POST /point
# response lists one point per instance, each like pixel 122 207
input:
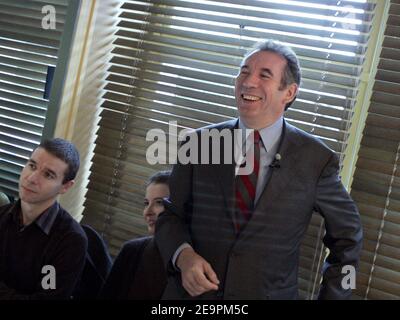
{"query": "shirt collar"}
pixel 45 221
pixel 269 135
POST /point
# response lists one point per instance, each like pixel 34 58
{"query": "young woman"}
pixel 138 271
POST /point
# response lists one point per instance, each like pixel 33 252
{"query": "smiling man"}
pixel 42 248
pixel 226 235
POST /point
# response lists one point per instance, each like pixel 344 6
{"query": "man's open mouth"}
pixel 248 97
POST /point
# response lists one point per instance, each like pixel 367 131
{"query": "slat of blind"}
pixel 387 87
pixel 205 115
pixel 367 258
pixel 118 229
pixel 17 141
pixel 19 123
pixel 24 108
pixel 271 24
pixel 197 106
pixel 28 22
pixel 156 42
pixel 201 115
pixel 390 53
pixel 23 73
pixel 9 187
pixel 22 81
pixel 210 76
pixel 17 159
pixel 26 56
pixel 20 90
pixel 12 178
pixel 227 88
pixel 192 123
pixel 252 17
pixel 35 35
pixel 10 10
pixel 25 117
pixel 377 213
pixel 23 152
pixel 32 101
pixel 389 64
pixel 28 47
pixel 187 61
pixel 36 6
pixel 23 64
pixel 383 97
pixel 231 36
pixel 325 110
pixel 223 100
pixel 388 76
pixel 19 133
pixel 114 120
pixel 306 8
pixel 191 84
pixel 11 168
pixel 379 143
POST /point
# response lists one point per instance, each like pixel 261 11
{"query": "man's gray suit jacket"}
pixel 262 261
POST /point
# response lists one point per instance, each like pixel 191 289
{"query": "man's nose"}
pixel 250 81
pixel 33 177
pixel 148 211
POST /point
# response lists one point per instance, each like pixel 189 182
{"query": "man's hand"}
pixel 197 275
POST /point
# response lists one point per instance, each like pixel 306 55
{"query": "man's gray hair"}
pixel 292 72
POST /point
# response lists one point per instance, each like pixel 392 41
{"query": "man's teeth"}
pixel 251 98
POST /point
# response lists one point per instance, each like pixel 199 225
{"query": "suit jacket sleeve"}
pixel 172 224
pixel 343 235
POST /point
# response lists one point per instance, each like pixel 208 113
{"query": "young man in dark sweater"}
pixel 42 248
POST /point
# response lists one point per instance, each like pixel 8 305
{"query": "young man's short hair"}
pixel 65 151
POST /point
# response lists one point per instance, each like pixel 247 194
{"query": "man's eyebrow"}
pixel 51 172
pixel 31 161
pixel 267 70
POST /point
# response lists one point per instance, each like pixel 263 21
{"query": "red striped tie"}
pixel 246 188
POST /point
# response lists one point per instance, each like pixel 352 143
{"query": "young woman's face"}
pixel 153 205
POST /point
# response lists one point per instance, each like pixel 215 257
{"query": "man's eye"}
pixel 146 203
pixel 48 175
pixel 265 75
pixel 160 202
pixel 31 165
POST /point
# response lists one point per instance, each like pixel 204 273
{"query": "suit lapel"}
pixel 225 174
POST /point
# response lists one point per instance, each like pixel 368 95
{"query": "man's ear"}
pixel 66 186
pixel 291 92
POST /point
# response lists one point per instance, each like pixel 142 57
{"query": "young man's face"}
pixel 259 96
pixel 41 180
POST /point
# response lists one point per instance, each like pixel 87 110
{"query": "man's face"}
pixel 259 96
pixel 41 180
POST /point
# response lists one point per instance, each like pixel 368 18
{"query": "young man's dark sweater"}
pixel 54 239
